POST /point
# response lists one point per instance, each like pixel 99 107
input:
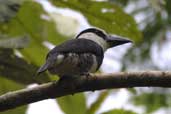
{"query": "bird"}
pixel 82 55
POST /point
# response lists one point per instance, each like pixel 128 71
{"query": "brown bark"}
pixel 96 82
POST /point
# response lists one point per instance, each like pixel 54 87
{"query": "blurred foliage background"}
pixel 28 29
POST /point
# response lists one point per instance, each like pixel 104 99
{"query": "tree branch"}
pixel 96 82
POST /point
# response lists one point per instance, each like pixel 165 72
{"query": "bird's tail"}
pixel 43 68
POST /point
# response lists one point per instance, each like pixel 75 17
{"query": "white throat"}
pixel 95 38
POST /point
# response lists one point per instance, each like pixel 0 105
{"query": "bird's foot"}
pixel 68 82
pixel 87 74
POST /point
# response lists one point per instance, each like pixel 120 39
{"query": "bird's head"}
pixel 102 38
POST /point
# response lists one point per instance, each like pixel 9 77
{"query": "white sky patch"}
pixel 129 8
pixel 91 97
pixel 161 55
pixel 168 35
pixel 48 106
pixel 115 100
pixel 112 58
pixel 139 17
pixel 133 5
pixel 110 66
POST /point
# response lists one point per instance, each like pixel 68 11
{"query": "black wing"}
pixel 78 46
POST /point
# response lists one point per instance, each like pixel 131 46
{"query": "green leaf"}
pixel 119 111
pixel 74 104
pixel 105 15
pixel 19 42
pixel 17 69
pixel 18 110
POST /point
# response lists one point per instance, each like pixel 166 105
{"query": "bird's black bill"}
pixel 117 40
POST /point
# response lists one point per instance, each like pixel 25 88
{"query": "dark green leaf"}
pixel 19 42
pixel 120 2
pixel 18 110
pixel 7 85
pixel 15 68
pixel 168 9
